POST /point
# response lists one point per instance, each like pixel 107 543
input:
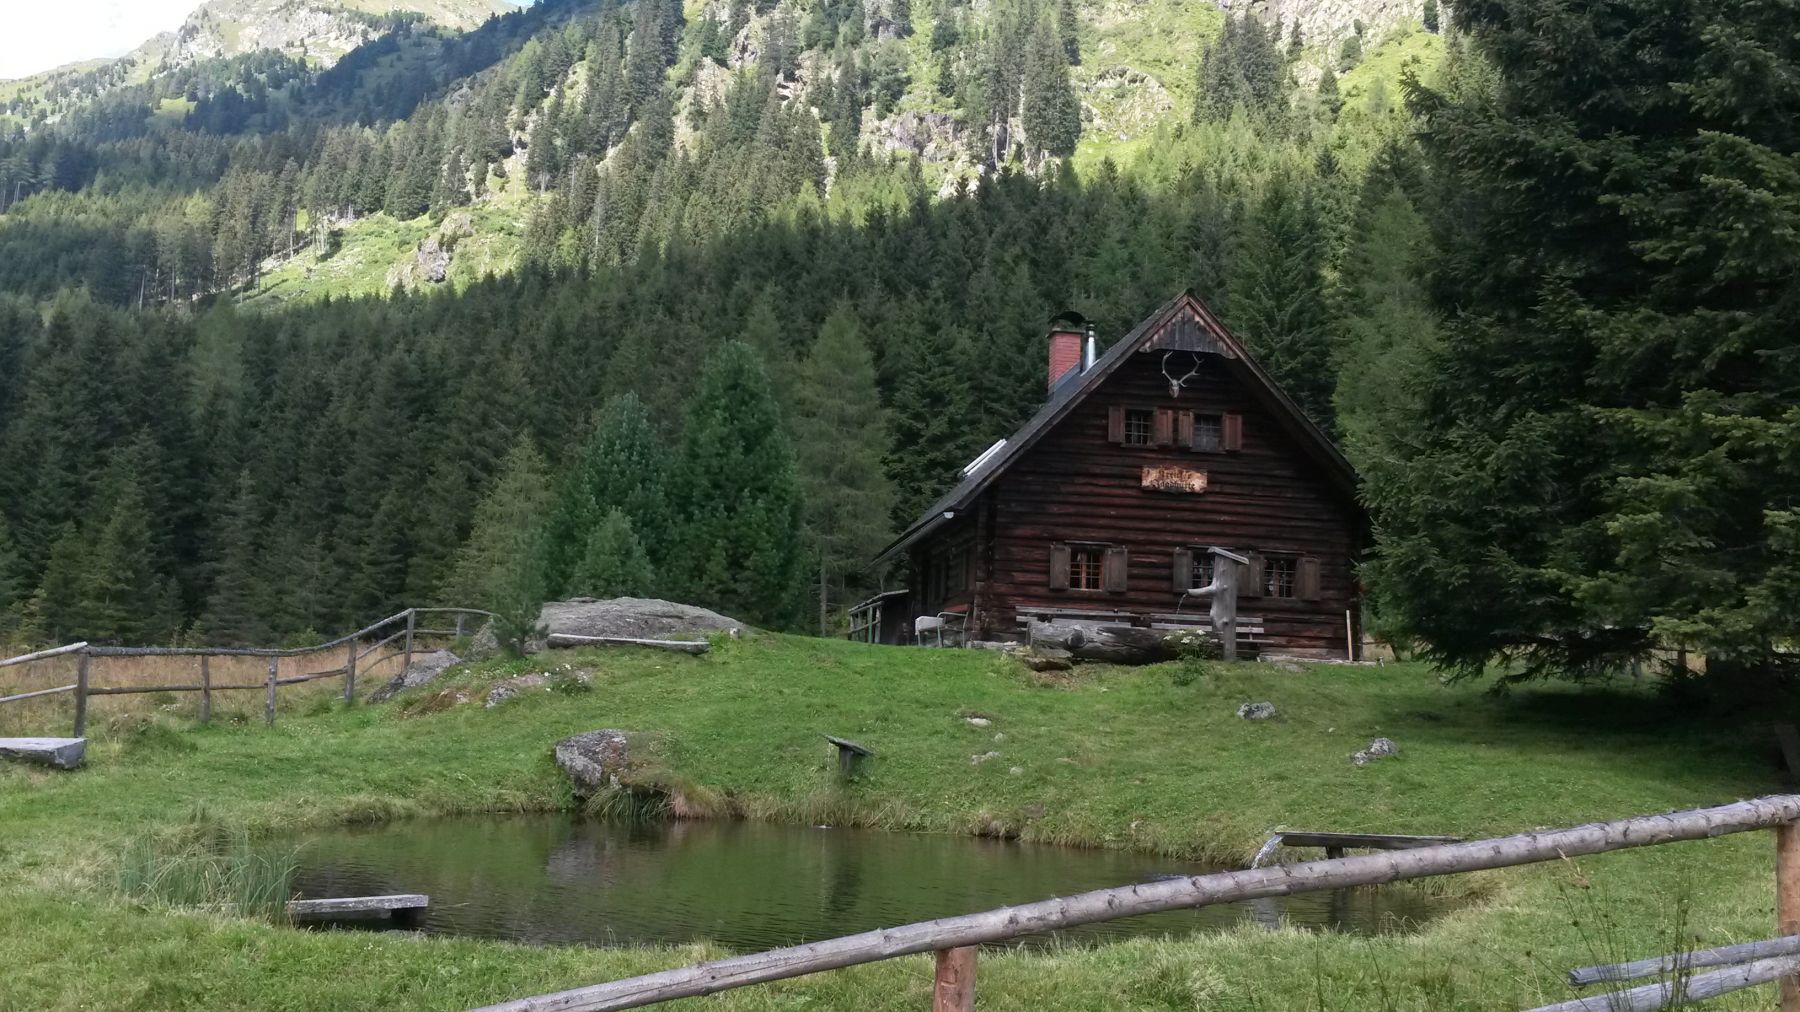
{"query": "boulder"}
pixel 422 670
pixel 1377 748
pixel 1256 711
pixel 59 753
pixel 633 617
pixel 1048 659
pixel 598 760
pixel 503 691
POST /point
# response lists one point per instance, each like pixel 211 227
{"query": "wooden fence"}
pixel 405 627
pixel 954 939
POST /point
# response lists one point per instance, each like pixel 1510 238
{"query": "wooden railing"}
pixel 954 939
pixel 405 627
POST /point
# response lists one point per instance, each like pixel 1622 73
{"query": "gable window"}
pixel 1209 432
pixel 1139 426
pixel 1280 574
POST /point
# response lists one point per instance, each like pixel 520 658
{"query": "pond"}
pixel 751 885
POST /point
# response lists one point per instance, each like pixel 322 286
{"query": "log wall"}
pixel 1270 497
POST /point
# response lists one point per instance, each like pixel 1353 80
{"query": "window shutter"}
pixel 1059 566
pixel 1165 427
pixel 1115 424
pixel 1184 430
pixel 1307 576
pixel 1253 576
pixel 1231 432
pixel 1183 574
pixel 1112 572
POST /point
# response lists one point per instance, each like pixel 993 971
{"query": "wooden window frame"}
pixel 1208 435
pixel 1274 568
pixel 1140 427
pixel 1087 566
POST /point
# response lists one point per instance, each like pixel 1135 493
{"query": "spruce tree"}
pixel 841 436
pixel 231 616
pixel 620 467
pixel 1430 16
pixel 1277 295
pixel 738 547
pixel 1329 100
pixel 613 562
pixel 12 583
pixel 501 566
pixel 58 610
pixel 1605 464
pixel 125 599
pixel 1068 29
pixel 1051 113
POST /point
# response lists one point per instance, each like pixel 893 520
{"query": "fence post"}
pixel 269 703
pixel 81 687
pixel 350 674
pixel 1787 901
pixel 954 988
pixel 459 625
pixel 412 622
pixel 205 688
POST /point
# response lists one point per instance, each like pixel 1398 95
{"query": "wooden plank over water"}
pixel 62 753
pixel 340 906
pixel 1371 841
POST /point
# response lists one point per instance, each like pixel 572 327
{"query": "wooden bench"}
pixel 61 753
pixel 849 753
pixel 396 905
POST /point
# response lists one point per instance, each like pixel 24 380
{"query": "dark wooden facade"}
pixel 1096 508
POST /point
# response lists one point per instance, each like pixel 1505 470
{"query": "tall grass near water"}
pixel 224 871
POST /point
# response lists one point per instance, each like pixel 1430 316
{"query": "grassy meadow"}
pixel 1141 758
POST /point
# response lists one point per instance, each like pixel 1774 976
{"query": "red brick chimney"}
pixel 1065 349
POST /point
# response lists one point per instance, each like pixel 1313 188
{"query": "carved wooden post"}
pixel 412 622
pixel 81 694
pixel 350 673
pixel 269 703
pixel 1227 570
pixel 205 688
pixel 1787 901
pixel 954 988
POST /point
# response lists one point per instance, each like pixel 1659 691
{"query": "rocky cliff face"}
pixel 1327 22
pixel 322 30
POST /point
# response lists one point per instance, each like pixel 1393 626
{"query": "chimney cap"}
pixel 1069 321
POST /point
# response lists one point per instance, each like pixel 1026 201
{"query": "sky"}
pixel 41 34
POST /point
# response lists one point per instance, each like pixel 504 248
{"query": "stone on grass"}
pixel 1256 711
pixel 503 691
pixel 977 760
pixel 1048 659
pixel 598 760
pixel 978 721
pixel 57 753
pixel 1377 748
pixel 633 618
pixel 422 670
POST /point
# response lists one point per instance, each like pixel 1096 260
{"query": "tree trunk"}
pixel 1112 644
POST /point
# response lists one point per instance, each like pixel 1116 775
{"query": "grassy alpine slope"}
pixel 1114 757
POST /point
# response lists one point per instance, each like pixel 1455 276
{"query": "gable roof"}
pixel 1183 323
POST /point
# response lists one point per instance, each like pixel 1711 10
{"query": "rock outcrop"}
pixel 602 760
pixel 633 617
pixel 423 670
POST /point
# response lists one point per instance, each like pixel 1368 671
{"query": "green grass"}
pixel 1115 757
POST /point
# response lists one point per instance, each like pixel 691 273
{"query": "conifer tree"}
pixel 1277 292
pixel 1430 16
pixel 501 566
pixel 58 610
pixel 125 598
pixel 613 562
pixel 231 616
pixel 1051 113
pixel 620 467
pixel 840 432
pixel 1068 29
pixel 1329 100
pixel 1240 69
pixel 738 548
pixel 845 114
pixel 12 583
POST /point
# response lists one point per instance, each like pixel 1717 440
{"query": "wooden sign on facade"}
pixel 1168 478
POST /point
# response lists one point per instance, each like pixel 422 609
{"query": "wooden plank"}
pixel 1371 841
pixel 1724 955
pixel 1670 994
pixel 953 990
pixel 679 646
pixel 62 753
pixel 132 690
pixel 1168 894
pixel 1787 902
pixel 848 745
pixel 358 905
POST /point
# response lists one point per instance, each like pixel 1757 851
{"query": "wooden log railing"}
pixel 408 631
pixel 955 938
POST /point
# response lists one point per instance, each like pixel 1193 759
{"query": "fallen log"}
pixel 1697 988
pixel 679 646
pixel 397 903
pixel 1170 894
pixel 1724 955
pixel 1110 644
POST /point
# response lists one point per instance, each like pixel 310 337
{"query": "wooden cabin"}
pixel 1104 506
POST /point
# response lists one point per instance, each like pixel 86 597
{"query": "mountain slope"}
pixel 319 30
